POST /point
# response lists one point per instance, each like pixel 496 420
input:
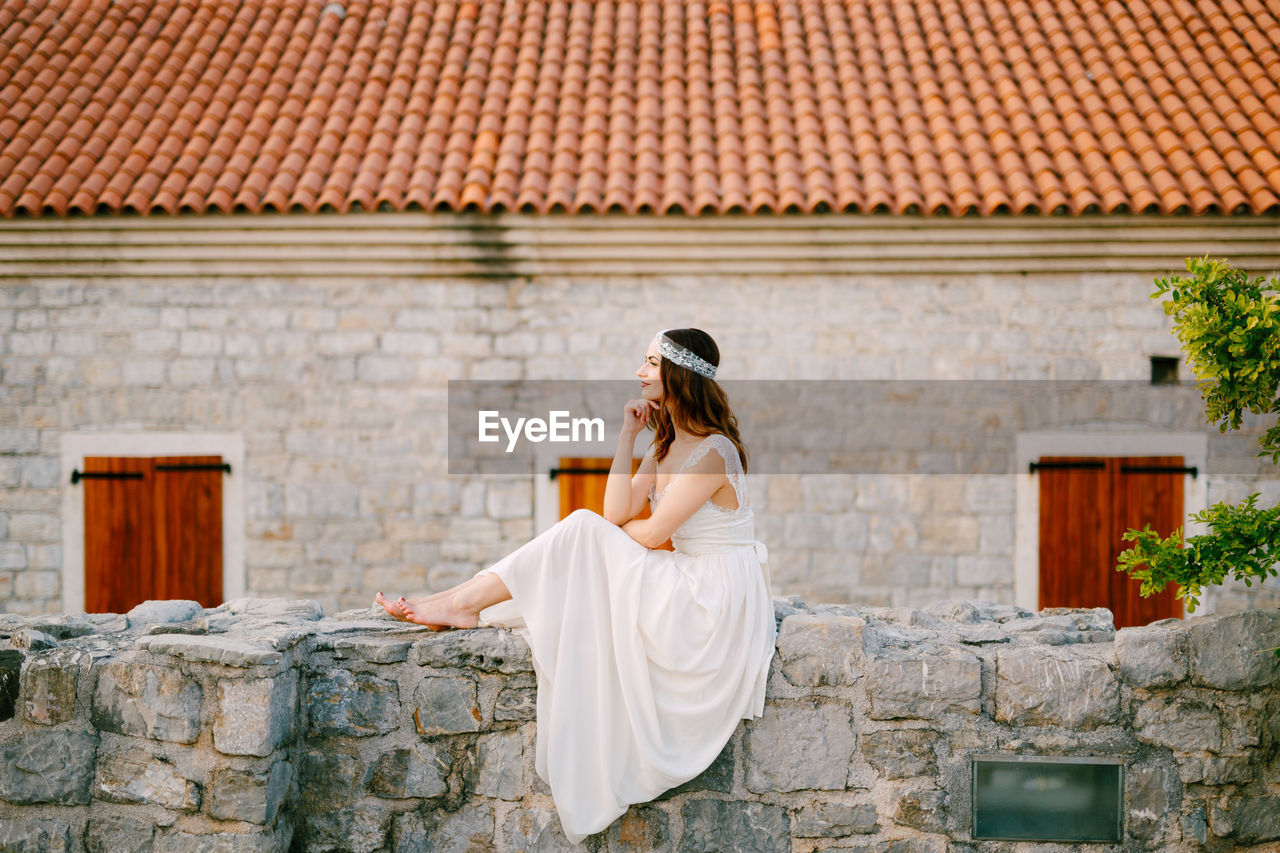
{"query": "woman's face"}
pixel 651 375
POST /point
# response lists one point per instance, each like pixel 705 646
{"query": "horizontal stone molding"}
pixel 264 725
pixel 437 245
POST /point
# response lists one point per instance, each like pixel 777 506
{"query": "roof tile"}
pixel 654 106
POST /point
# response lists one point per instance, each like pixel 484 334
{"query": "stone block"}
pixel 901 753
pixel 1255 820
pixel 272 841
pixel 255 715
pixel 820 649
pixel 1229 652
pixel 921 807
pixel 252 796
pixel 1053 687
pixel 47 766
pixel 1152 793
pixel 516 702
pixel 48 694
pixel 485 649
pixel 800 747
pixel 145 700
pixel 834 820
pixel 641 830
pixel 305 609
pixel 116 833
pixel 163 612
pixel 226 651
pixel 905 685
pixel 534 831
pixel 499 767
pixel 36 835
pixel 372 651
pixel 1182 726
pixel 347 704
pixel 418 771
pixel 444 705
pixel 468 830
pixel 327 780
pixel 711 826
pixel 133 776
pixel 1152 656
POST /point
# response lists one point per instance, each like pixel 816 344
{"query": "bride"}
pixel 645 659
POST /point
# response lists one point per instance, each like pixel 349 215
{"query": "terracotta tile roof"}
pixel 929 106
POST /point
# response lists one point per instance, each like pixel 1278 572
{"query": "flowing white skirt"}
pixel 645 661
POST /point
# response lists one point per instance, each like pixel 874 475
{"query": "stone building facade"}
pixel 314 353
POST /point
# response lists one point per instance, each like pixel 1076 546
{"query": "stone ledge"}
pixel 263 724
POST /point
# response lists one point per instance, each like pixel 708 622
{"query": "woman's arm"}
pixel 625 495
pixel 690 490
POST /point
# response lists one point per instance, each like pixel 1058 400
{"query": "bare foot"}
pixel 441 611
pixel 395 608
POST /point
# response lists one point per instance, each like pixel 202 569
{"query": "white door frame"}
pixel 1193 447
pixel 77 445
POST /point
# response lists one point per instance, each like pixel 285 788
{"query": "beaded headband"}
pixel 677 354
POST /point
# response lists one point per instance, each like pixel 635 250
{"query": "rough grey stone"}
pixel 307 609
pixel 255 715
pixel 834 820
pixel 717 777
pixel 373 651
pixel 163 612
pixel 10 682
pixel 48 694
pixel 978 635
pixel 444 705
pixel 249 795
pixel 136 777
pixel 718 825
pixel 227 651
pixel 35 835
pixel 922 807
pixel 900 753
pixel 272 841
pixel 1151 656
pixel 641 830
pixel 821 649
pixel 516 702
pixel 1152 793
pixel 1054 687
pixel 794 748
pixel 485 649
pixel 418 771
pixel 48 766
pixel 500 765
pixel 69 626
pixel 327 779
pixel 1229 652
pixel 534 831
pixel 1179 725
pixel 147 701
pixel 468 830
pixel 116 833
pixel 32 640
pixel 904 685
pixel 352 704
pixel 1253 819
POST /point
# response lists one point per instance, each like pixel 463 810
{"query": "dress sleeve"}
pixel 732 463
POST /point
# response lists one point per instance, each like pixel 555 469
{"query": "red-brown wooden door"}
pixel 152 531
pixel 1084 511
pixel 586 490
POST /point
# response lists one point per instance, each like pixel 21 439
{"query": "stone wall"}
pixel 338 391
pixel 262 725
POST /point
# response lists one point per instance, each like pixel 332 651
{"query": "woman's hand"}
pixel 635 414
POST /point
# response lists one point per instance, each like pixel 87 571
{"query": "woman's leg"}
pixel 460 606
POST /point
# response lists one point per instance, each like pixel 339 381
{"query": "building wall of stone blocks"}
pixel 262 724
pixel 338 388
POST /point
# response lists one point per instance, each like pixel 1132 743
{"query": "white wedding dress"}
pixel 645 660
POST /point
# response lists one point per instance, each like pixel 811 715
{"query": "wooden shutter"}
pixel 1084 511
pixel 156 535
pixel 586 491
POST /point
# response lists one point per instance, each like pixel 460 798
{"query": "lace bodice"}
pixel 732 469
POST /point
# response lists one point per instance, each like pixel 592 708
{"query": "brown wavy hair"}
pixel 691 401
